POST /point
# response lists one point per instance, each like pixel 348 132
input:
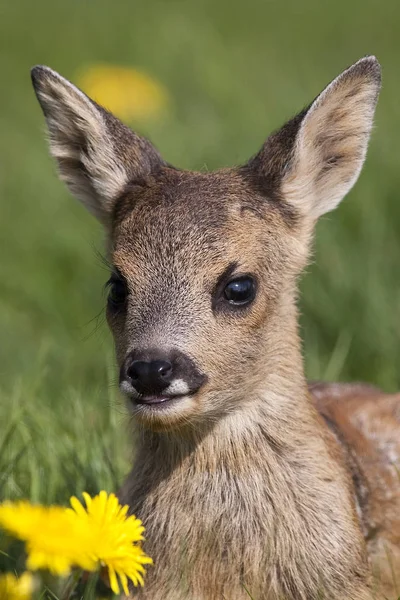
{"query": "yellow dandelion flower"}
pixel 101 534
pixel 54 539
pixel 129 93
pixel 115 538
pixel 16 588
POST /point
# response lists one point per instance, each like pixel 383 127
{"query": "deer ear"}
pixel 96 154
pixel 316 158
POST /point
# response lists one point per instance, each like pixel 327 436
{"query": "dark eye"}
pixel 240 291
pixel 118 292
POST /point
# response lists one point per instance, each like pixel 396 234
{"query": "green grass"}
pixel 235 71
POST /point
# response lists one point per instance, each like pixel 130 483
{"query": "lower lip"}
pixel 157 401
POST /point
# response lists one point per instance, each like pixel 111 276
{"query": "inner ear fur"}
pixel 96 154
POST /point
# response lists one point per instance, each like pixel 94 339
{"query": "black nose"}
pixel 150 372
pixel 150 376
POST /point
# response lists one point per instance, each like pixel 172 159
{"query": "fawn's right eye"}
pixel 118 292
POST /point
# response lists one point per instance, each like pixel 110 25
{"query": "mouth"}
pixel 161 406
pixel 157 402
pixel 160 411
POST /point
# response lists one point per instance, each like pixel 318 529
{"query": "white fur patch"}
pixel 128 389
pixel 178 387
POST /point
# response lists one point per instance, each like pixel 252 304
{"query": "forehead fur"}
pixel 176 207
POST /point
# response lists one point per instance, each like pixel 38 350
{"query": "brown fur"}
pixel 253 482
pixel 367 424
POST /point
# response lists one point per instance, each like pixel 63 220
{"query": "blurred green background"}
pixel 234 71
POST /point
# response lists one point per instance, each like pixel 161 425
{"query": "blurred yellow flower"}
pixel 54 540
pixel 130 94
pixel 16 588
pixel 114 537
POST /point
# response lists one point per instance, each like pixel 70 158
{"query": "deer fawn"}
pixel 249 481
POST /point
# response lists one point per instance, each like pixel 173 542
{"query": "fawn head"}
pixel 205 264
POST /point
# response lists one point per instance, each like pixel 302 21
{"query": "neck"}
pixel 262 472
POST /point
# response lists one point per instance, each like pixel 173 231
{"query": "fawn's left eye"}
pixel 240 291
pixel 118 292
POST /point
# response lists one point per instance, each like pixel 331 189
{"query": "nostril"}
pixel 134 371
pixel 133 375
pixel 163 369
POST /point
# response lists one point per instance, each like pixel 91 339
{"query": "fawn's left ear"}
pixel 96 154
pixel 316 158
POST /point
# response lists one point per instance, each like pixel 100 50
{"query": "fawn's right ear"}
pixel 96 154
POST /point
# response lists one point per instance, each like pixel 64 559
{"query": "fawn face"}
pixel 200 262
pixel 204 262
